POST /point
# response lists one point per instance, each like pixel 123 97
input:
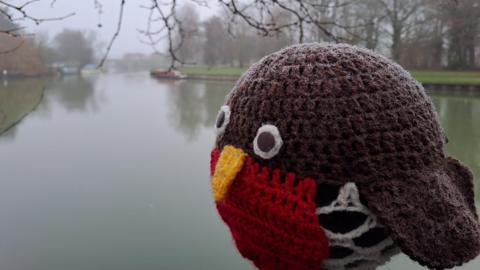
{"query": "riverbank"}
pixel 455 80
pixel 17 100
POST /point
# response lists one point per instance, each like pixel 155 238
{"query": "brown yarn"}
pixel 346 114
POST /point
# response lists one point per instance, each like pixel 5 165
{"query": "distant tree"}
pixel 370 14
pixel 238 40
pixel 399 15
pixel 433 36
pixel 418 33
pixel 74 47
pixel 269 44
pixel 47 53
pixel 240 49
pixel 423 39
pixel 463 19
pixel 215 40
pixel 191 43
pixel 260 17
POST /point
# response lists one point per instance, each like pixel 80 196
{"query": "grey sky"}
pixel 86 18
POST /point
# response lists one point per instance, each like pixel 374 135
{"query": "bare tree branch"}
pixel 99 7
pixel 170 27
pixel 24 15
pixel 304 13
pixel 20 13
pixel 163 25
pixel 115 35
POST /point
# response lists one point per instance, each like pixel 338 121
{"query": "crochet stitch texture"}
pixel 357 240
pixel 348 115
pixel 273 220
pixel 356 114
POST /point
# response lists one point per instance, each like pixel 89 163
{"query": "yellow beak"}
pixel 228 166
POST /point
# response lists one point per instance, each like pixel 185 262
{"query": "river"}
pixel 111 173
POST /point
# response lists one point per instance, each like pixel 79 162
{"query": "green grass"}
pixel 424 76
pixel 447 77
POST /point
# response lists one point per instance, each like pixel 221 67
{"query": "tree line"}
pixel 24 54
pixel 419 34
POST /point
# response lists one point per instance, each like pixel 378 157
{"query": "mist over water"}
pixel 112 173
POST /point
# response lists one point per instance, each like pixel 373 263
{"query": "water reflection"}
pixel 460 118
pixel 194 105
pixel 74 93
pixel 17 99
pixel 127 187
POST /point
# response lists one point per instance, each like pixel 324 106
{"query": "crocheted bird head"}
pixel 329 156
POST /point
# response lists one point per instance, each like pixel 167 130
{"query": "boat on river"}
pixel 167 74
pixel 91 70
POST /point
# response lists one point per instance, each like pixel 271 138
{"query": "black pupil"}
pixel 265 141
pixel 342 221
pixel 220 119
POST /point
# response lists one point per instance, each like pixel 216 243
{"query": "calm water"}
pixel 111 173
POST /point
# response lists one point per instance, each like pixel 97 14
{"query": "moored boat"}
pixel 91 69
pixel 167 74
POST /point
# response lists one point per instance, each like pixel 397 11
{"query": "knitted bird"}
pixel 329 156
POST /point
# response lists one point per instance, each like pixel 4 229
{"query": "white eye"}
pixel 268 141
pixel 223 118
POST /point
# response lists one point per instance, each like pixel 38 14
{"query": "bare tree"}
pixel 371 14
pixel 15 12
pixel 399 14
pixel 44 48
pixel 463 34
pixel 215 40
pixel 163 22
pixel 358 22
pixel 74 47
pixel 191 44
pixel 423 42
